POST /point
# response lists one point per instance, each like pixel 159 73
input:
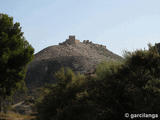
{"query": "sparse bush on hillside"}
pixel 106 68
pixel 129 87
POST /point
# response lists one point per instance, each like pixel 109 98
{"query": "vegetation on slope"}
pixel 116 89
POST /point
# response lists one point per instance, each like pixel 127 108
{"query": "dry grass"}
pixel 15 116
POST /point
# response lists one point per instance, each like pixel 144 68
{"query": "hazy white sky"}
pixel 118 24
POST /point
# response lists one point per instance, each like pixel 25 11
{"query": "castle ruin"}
pixel 93 44
pixel 71 40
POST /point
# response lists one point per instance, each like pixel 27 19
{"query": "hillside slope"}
pixel 79 56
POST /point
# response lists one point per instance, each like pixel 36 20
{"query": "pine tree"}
pixel 15 53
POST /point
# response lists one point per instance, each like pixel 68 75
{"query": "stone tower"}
pixel 71 40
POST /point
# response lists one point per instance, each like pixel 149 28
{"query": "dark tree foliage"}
pixel 118 88
pixel 67 100
pixel 132 87
pixel 15 53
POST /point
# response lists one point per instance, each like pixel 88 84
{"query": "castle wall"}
pixel 77 41
pixel 96 45
pixel 72 40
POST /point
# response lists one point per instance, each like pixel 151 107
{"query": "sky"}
pixel 119 24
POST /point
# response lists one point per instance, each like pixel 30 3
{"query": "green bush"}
pixel 118 88
pixel 67 99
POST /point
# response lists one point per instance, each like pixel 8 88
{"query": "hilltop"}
pixel 79 56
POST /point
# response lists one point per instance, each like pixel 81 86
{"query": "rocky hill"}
pixel 79 56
